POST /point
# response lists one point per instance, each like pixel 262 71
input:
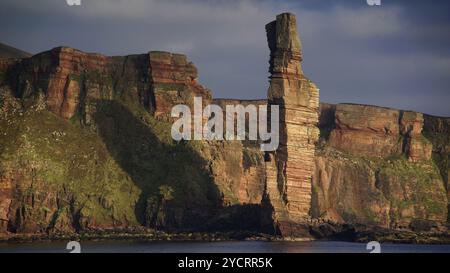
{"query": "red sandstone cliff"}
pixel 374 166
pixel 107 97
pixel 379 132
pixel 71 80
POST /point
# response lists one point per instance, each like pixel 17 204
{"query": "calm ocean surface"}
pixel 220 247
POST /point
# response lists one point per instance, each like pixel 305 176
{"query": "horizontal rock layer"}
pixel 72 80
pixel 289 169
pixel 379 132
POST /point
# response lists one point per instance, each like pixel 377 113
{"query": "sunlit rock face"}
pixel 379 132
pixel 72 80
pixel 289 168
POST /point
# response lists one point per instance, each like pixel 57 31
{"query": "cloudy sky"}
pixel 396 55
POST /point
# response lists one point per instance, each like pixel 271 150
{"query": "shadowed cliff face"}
pixel 176 188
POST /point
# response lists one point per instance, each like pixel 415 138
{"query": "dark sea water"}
pixel 219 247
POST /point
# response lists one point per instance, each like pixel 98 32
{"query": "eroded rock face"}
pixel 109 95
pixel 174 81
pixel 437 131
pixel 346 192
pixel 392 194
pixel 289 169
pixel 416 146
pixel 237 170
pixel 238 166
pixel 373 131
pixel 6 198
pixel 379 132
pixel 375 167
pixel 73 81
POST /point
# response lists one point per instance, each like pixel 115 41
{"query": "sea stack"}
pixel 290 168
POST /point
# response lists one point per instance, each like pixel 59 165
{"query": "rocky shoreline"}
pixel 364 234
pixel 143 235
pixel 323 232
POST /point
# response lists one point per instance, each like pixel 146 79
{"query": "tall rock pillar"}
pixel 289 169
